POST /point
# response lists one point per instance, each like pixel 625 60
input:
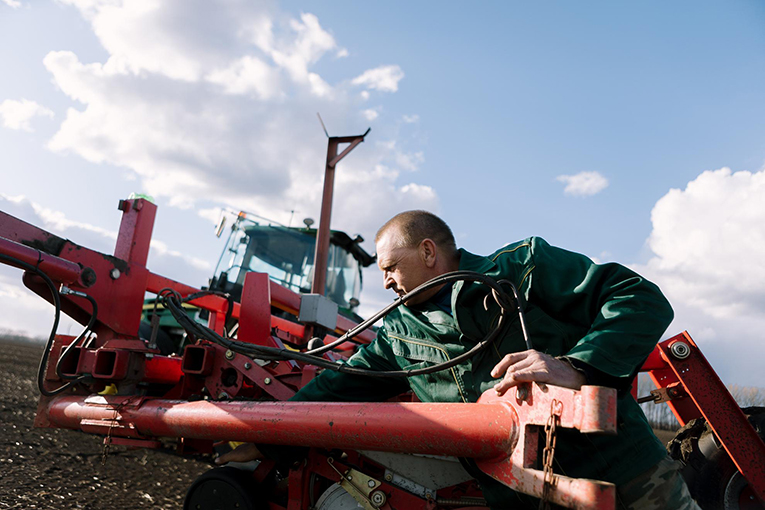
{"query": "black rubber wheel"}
pixel 712 478
pixel 223 488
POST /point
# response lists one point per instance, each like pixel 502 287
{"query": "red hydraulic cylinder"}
pixel 58 269
pixel 477 430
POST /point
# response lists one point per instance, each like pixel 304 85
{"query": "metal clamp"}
pixel 362 487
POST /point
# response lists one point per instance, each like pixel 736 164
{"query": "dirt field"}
pixel 53 468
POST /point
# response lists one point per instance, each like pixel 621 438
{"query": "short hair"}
pixel 414 226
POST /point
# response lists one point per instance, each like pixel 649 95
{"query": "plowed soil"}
pixel 55 468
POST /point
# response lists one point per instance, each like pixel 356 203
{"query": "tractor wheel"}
pixel 712 478
pixel 223 488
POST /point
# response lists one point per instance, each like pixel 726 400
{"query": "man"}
pixel 588 323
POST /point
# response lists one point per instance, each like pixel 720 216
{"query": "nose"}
pixel 388 280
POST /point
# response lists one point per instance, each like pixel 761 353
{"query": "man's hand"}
pixel 242 453
pixel 526 366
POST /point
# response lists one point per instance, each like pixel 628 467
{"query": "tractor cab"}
pixel 287 255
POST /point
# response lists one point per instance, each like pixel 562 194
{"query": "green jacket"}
pixel 605 316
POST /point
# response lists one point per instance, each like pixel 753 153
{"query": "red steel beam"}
pixel 718 407
pixel 500 432
pixel 134 237
pixel 467 430
pixel 320 259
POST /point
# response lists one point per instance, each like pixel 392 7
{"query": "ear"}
pixel 428 252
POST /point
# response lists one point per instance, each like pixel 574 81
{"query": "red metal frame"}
pixel 497 431
pixel 694 390
pixel 501 432
pixel 322 237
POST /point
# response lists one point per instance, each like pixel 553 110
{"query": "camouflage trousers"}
pixel 659 488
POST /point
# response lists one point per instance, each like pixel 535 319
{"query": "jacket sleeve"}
pixel 623 314
pixel 331 386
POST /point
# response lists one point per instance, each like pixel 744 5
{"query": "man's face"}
pixel 403 268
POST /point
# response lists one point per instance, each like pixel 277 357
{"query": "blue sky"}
pixel 650 115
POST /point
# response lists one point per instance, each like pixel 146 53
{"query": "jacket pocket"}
pixel 415 350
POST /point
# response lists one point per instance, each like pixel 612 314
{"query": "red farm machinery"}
pixel 115 382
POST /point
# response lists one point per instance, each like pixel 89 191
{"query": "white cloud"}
pixel 247 75
pixel 224 113
pixel 383 78
pixel 19 114
pixel 162 259
pixel 212 214
pixel 583 184
pixel 371 114
pixel 410 161
pixel 12 3
pixel 411 119
pixel 708 242
pixel 341 53
pixel 710 239
pixel 298 53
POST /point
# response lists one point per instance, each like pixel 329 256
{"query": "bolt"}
pixel 88 277
pixel 371 484
pixel 230 354
pixel 223 395
pixel 378 498
pixel 522 393
pixel 388 477
pixel 350 478
pixel 247 366
pixel 267 380
pixel 680 350
pixel 114 273
pixel 428 495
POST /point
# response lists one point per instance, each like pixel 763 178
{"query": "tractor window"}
pixel 287 256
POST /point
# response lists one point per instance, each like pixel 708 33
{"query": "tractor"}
pixel 286 254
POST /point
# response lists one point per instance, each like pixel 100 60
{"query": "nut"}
pixel 377 498
pixel 267 380
pixel 114 273
pixel 680 350
pixel 230 354
pixel 388 477
pixel 371 484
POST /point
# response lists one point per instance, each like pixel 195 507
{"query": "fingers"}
pixel 243 453
pixel 509 360
pixel 527 366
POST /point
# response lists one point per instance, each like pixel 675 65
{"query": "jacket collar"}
pixel 477 263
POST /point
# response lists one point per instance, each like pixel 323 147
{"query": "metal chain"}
pixel 108 438
pixel 548 454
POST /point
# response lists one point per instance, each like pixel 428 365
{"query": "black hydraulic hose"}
pixel 57 316
pixel 172 301
pixel 69 348
pixel 439 280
